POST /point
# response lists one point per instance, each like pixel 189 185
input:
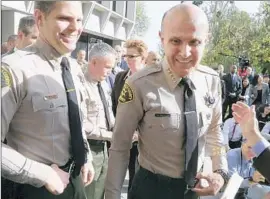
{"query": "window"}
pixel 114 6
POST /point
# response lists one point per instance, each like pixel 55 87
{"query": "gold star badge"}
pixel 126 95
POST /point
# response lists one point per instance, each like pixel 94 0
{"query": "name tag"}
pixel 162 115
pixel 50 97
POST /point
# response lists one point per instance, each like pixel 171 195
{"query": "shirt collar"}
pixel 53 56
pixel 128 74
pixel 172 78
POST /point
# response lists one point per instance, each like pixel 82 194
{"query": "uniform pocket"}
pixel 166 120
pixel 43 103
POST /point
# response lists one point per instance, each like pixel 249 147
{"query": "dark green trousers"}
pixel 74 190
pixel 147 185
pixel 96 189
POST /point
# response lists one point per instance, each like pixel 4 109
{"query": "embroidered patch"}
pixel 6 79
pixel 126 95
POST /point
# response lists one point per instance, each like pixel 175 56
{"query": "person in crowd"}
pixel 120 65
pixel 47 154
pixel 120 61
pixel 246 117
pixel 240 161
pixel 266 79
pixel 250 75
pixel 233 84
pixel 4 48
pixel 266 131
pixel 27 33
pixel 136 47
pixel 11 42
pixel 160 102
pixel 100 118
pixel 260 93
pixel 245 95
pixel 152 58
pixel 81 60
pixel 263 115
pixel 232 133
pixel 221 70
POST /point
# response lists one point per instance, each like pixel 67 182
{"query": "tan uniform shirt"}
pixel 35 113
pixel 95 125
pixel 152 101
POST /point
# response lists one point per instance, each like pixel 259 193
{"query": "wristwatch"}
pixel 224 175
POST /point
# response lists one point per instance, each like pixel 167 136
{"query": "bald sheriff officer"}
pixel 176 106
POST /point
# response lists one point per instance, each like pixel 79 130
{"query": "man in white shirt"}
pixel 232 133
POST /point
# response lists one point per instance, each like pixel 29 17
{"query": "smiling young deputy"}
pixel 176 107
pixel 46 150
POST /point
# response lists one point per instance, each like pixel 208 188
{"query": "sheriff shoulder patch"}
pixel 6 79
pixel 126 95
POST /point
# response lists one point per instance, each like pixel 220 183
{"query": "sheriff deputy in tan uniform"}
pixel 175 135
pixel 41 98
pixel 100 118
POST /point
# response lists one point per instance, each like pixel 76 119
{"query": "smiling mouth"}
pixel 183 61
pixel 69 37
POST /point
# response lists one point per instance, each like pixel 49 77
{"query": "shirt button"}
pixel 51 105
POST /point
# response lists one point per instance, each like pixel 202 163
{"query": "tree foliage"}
pixel 142 20
pixel 236 33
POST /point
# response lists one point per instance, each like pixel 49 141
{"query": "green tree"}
pixel 235 33
pixel 142 20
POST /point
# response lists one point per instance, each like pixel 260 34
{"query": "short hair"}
pixel 101 50
pixel 139 45
pixel 45 6
pixel 4 48
pixel 26 25
pixel 12 38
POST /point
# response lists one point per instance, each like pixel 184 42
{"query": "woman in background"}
pixel 135 56
pixel 260 93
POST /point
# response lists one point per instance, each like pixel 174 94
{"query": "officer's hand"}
pixel 267 196
pixel 215 182
pixel 57 180
pixel 88 173
pixel 257 177
pixel 246 117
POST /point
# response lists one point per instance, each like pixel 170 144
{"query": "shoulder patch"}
pixel 6 79
pixel 127 94
pixel 207 70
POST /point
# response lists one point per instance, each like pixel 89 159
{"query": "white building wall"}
pixel 99 18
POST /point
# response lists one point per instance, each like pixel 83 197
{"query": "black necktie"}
pixel 77 144
pixel 191 132
pixel 105 105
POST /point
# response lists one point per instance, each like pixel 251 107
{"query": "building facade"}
pixel 108 21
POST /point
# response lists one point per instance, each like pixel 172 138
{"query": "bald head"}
pixel 183 36
pixel 187 13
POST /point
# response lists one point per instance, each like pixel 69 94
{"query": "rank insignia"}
pixel 6 79
pixel 126 95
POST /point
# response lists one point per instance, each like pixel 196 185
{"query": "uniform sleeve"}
pixel 214 138
pixel 15 166
pixel 129 113
pixel 226 132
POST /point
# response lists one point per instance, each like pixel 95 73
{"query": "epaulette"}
pixel 146 71
pixel 18 55
pixel 207 70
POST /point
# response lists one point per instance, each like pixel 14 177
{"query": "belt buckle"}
pixel 71 167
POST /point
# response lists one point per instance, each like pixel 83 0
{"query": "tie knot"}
pixel 185 81
pixel 64 63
